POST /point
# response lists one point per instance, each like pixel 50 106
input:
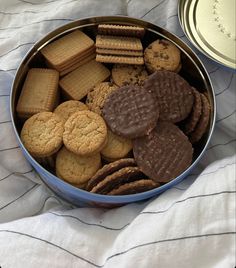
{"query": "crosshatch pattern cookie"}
pixel 173 95
pixel 122 30
pixel 42 134
pixel 78 83
pixel 39 92
pixel 163 154
pixel 66 48
pixel 97 96
pixel 130 111
pixel 117 147
pixel 85 133
pixel 162 55
pixel 126 174
pixel 194 117
pixel 203 122
pixel 134 187
pixel 123 74
pixel 118 42
pixel 67 108
pixel 76 169
pixel 108 169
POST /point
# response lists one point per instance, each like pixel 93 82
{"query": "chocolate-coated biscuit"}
pixel 163 154
pixel 134 187
pixel 173 95
pixel 126 174
pixel 195 114
pixel 203 122
pixel 108 170
pixel 130 111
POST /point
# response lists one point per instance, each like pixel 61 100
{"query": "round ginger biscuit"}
pixel 130 111
pixel 42 134
pixel 162 55
pixel 67 108
pixel 173 94
pixel 85 133
pixel 163 154
pixel 124 74
pixel 97 96
pixel 117 147
pixel 76 169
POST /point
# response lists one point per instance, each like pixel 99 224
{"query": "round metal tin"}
pixel 193 70
pixel 210 26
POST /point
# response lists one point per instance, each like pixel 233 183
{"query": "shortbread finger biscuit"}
pixel 203 122
pixel 39 92
pixel 134 187
pixel 118 42
pixel 85 133
pixel 78 83
pixel 119 52
pixel 122 30
pixel 42 134
pixel 162 55
pixel 97 96
pixel 76 169
pixel 108 169
pixel 67 47
pixel 117 147
pixel 119 59
pixel 128 74
pixel 67 108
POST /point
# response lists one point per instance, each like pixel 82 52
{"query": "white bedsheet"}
pixel 190 225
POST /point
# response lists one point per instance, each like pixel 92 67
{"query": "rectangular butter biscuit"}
pixel 39 92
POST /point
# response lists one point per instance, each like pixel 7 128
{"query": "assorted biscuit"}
pixel 107 117
pixel 119 44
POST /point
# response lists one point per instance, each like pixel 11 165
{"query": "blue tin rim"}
pixel 93 197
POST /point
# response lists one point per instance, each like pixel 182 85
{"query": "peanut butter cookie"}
pixel 85 133
pixel 117 147
pixel 42 134
pixel 67 108
pixel 76 169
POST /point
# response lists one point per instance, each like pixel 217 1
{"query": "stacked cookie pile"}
pixel 126 128
pixel 69 52
pixel 119 44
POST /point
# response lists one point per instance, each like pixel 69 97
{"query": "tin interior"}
pixel 192 69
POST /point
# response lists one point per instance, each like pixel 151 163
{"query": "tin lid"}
pixel 210 26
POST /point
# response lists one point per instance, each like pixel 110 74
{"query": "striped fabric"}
pixel 190 225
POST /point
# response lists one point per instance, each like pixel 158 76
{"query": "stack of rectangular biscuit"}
pixel 69 52
pixel 119 44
